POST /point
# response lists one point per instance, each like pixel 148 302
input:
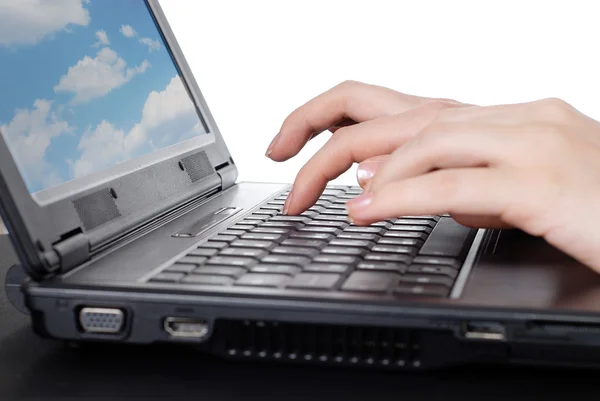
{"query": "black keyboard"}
pixel 321 250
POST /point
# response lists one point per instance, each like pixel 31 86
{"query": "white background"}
pixel 257 60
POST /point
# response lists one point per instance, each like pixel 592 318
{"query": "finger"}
pixel 367 169
pixel 343 123
pixel 355 144
pixel 350 100
pixel 449 145
pixel 466 191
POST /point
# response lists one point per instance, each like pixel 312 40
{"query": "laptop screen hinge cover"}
pixel 228 175
pixel 72 251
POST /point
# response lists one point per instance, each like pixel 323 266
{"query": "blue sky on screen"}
pixel 84 85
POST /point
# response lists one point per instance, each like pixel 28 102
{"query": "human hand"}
pixel 534 166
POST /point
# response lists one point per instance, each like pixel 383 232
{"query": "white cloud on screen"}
pixel 102 39
pixel 153 45
pixel 26 22
pixel 168 117
pixel 128 31
pixel 29 135
pixel 95 77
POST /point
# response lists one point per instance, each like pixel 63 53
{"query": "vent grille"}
pixel 96 208
pixel 325 344
pixel 197 166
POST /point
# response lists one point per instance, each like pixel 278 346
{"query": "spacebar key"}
pixel 448 238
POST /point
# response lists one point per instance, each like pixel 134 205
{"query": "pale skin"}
pixel 533 166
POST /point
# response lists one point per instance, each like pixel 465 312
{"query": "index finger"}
pixel 354 101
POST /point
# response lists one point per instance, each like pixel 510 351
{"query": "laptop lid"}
pixel 103 128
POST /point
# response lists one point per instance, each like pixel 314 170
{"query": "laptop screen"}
pixel 86 85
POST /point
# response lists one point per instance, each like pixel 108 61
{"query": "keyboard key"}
pixel 310 214
pixel 335 212
pixel 278 208
pixel 168 277
pixel 193 260
pixel 383 224
pixel 424 217
pixel 248 252
pixel 332 217
pixel 242 243
pixel 270 230
pixel 216 270
pixel 389 257
pixel 181 268
pixel 422 289
pixel 262 280
pixel 328 268
pixel 276 202
pixel 344 250
pixel 311 235
pixel 263 237
pixel 359 236
pixel 282 224
pixel 262 212
pixel 416 222
pixel 411 228
pixel 242 227
pixel 286 260
pixel 400 241
pixel 323 203
pixel 214 245
pixel 370 281
pixel 383 266
pixel 295 250
pixel 408 250
pixel 352 242
pixel 202 279
pixel 432 260
pixel 310 281
pixel 224 238
pixel 290 270
pixel 327 198
pixel 237 233
pixel 337 259
pixel 406 234
pixel 348 196
pixel 327 224
pixel 203 252
pixel 255 218
pixel 366 230
pixel 337 206
pixel 321 229
pixel 302 242
pixel 333 192
pixel 447 239
pixel 427 279
pixel 316 209
pixel 296 219
pixel 248 223
pixel 434 269
pixel 233 261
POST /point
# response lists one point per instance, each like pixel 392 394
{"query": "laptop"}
pixel 123 204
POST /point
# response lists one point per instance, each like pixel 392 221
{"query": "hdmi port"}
pixel 186 328
pixel 484 331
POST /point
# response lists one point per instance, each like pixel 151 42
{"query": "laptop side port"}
pixel 101 320
pixel 186 328
pixel 491 331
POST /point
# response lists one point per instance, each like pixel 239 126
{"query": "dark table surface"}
pixel 34 368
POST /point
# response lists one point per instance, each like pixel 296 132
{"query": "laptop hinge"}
pixel 72 251
pixel 228 175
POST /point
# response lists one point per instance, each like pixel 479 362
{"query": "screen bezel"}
pixel 37 221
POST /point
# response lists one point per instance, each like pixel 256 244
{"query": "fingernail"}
pixel 272 145
pixel 286 205
pixel 366 171
pixel 359 203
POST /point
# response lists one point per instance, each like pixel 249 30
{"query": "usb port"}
pixel 491 331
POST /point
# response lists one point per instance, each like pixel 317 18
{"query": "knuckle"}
pixel 349 84
pixel 554 109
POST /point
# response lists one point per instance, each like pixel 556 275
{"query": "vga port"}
pixel 101 320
